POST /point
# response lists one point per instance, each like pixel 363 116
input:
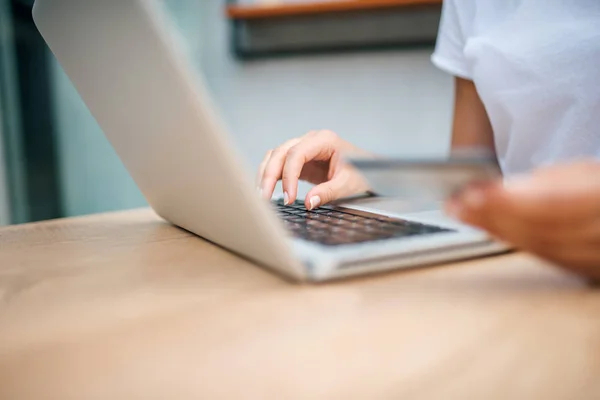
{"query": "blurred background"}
pixel 382 94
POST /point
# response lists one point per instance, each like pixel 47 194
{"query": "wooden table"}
pixel 124 306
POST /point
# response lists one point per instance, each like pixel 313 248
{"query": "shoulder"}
pixel 459 15
pixel 456 26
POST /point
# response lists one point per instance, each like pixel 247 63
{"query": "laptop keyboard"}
pixel 332 226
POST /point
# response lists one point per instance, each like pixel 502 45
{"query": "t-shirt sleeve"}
pixel 449 48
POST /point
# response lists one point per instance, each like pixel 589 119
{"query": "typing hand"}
pixel 316 158
pixel 553 213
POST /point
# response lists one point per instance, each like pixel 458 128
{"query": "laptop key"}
pixel 339 222
pixel 331 226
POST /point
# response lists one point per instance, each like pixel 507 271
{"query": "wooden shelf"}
pixel 319 27
pixel 254 12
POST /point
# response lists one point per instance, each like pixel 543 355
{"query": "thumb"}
pixel 324 193
pixel 344 183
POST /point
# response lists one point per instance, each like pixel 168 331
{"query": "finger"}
pixel 261 168
pixel 341 185
pixel 320 147
pixel 491 208
pixel 560 224
pixel 578 252
pixel 539 199
pixel 274 168
pixel 322 194
pixel 580 249
pixel 582 259
pixel 531 203
pixel 585 262
pixel 500 213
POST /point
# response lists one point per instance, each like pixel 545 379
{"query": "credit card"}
pixel 428 178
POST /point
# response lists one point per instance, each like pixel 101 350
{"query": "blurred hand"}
pixel 553 213
pixel 316 158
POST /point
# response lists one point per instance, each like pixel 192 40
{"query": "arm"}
pixel 553 212
pixel 471 127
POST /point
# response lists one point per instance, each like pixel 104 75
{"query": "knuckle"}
pixel 279 151
pixel 328 134
pixel 294 152
pixel 271 173
pixel 329 193
pixel 287 179
pixel 267 156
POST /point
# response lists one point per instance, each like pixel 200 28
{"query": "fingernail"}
pixel 286 198
pixel 314 202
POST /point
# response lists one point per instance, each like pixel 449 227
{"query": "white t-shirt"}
pixel 536 66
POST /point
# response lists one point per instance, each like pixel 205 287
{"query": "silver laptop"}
pixel 125 60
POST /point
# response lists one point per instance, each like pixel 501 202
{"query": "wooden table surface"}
pixel 125 306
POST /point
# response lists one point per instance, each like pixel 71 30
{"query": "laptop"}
pixel 129 66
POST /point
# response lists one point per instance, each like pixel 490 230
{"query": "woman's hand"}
pixel 316 158
pixel 553 213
